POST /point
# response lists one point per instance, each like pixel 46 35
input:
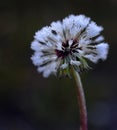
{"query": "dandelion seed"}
pixel 68 43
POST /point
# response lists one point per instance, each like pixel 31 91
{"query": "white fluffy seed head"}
pixel 68 43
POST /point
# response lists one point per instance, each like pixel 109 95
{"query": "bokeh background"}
pixel 30 102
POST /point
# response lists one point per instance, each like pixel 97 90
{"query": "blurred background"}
pixel 30 102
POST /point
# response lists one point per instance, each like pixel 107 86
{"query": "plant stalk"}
pixel 81 101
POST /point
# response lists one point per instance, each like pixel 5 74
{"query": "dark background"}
pixel 30 102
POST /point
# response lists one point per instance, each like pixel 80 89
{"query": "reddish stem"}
pixel 81 102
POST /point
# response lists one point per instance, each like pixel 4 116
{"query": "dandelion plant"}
pixel 64 49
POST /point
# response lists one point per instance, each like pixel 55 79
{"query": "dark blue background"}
pixel 30 102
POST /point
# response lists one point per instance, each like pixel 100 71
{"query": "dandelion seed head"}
pixel 67 44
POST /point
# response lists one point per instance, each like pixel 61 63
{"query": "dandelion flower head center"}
pixel 68 48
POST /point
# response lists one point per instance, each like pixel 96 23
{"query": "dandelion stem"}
pixel 81 101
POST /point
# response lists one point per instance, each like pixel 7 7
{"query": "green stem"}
pixel 81 101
